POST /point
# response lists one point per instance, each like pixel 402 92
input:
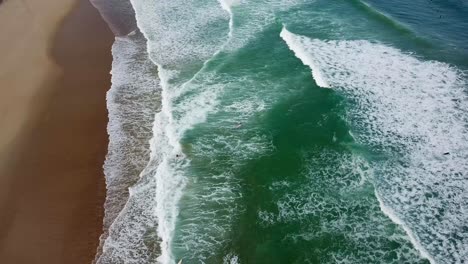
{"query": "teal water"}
pixel 302 131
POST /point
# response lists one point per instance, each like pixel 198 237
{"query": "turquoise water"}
pixel 299 132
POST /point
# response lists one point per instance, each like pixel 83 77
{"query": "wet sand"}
pixel 54 74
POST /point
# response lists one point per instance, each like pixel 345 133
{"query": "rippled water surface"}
pixel 289 131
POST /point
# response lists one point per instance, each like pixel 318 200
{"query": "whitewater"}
pixel 286 131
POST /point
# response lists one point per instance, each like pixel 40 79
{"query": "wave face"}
pixel 233 152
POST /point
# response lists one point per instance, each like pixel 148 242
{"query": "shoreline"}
pixel 52 181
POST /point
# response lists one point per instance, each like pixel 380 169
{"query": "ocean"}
pixel 289 131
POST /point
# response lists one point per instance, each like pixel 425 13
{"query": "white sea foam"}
pixel 180 35
pixel 227 5
pixel 301 51
pixel 212 195
pixel 181 32
pixel 333 201
pixel 231 259
pixel 250 18
pixel 412 112
pixel 389 212
pixel 131 102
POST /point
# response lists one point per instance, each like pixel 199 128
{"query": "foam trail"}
pixel 391 214
pixel 131 102
pixel 336 188
pixel 301 52
pixel 227 5
pixel 413 113
pixel 180 112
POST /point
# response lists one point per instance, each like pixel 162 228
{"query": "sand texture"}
pixel 54 73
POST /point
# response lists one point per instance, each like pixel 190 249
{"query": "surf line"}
pixel 296 44
pixel 301 53
pixel 390 214
pixel 165 132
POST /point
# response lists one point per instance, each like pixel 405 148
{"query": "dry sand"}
pixel 53 80
pixel 26 30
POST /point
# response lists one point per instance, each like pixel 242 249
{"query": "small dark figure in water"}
pixel 177 156
pixel 446 153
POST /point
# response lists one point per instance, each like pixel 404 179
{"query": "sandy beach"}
pixel 54 74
